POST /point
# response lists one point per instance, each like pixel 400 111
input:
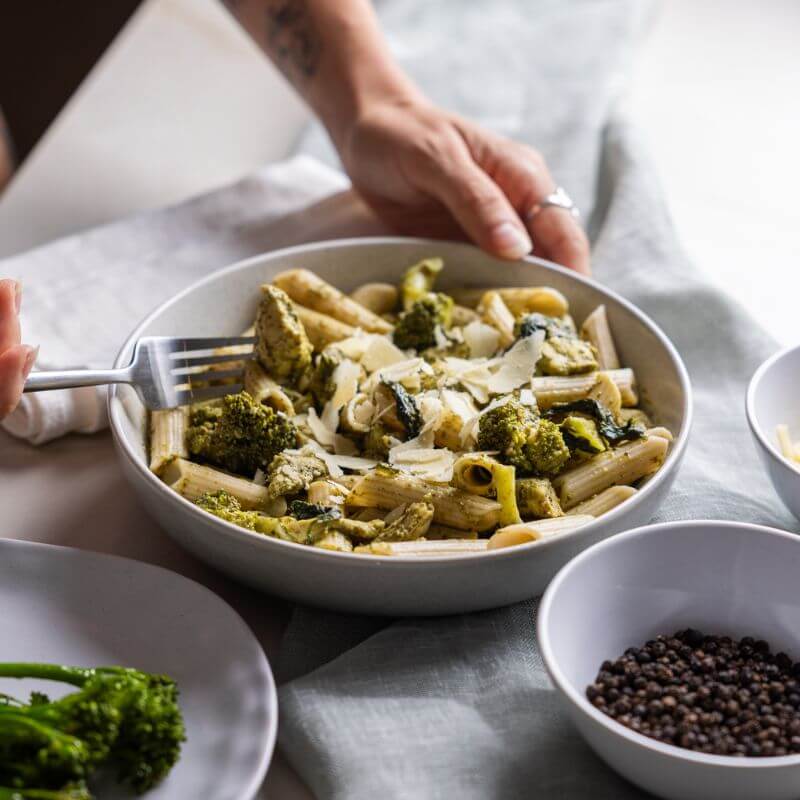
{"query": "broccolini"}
pixel 120 716
pixel 240 435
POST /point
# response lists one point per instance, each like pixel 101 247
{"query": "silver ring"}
pixel 557 199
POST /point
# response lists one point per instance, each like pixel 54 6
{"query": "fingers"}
pixel 521 173
pixel 15 364
pixel 10 299
pixel 477 203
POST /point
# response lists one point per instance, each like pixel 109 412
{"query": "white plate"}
pixel 66 606
pixel 225 303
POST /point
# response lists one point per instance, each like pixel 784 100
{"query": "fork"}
pixel 165 371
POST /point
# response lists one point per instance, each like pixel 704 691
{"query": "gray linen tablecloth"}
pixel 461 706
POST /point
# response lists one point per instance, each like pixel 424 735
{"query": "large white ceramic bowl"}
pixel 225 303
pixel 725 578
pixel 773 398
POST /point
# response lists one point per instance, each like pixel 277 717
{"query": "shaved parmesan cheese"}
pixel 381 353
pixel 483 340
pixel 321 432
pixel 345 380
pixel 335 463
pixel 442 342
pixel 517 365
pixel 260 477
pixel 527 397
pixel 429 463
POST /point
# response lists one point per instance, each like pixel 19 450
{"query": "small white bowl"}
pixel 725 578
pixel 773 398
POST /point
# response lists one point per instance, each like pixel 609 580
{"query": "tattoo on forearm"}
pixel 293 38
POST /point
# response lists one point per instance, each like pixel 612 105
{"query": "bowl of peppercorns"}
pixel 676 648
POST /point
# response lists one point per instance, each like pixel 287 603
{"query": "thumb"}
pixel 478 205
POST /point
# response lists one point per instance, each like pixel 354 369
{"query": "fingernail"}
pixel 510 240
pixel 17 296
pixel 30 360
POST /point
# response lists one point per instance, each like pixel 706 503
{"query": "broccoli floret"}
pixel 416 328
pixel 122 716
pixel 532 445
pixel 321 384
pixel 282 346
pixel 418 281
pixel 241 435
pixel 547 452
pixel 225 506
pixel 507 428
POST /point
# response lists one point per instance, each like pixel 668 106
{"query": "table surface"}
pixel 183 102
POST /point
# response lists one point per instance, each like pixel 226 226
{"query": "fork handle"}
pixel 74 378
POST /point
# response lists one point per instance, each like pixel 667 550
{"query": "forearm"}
pixel 332 51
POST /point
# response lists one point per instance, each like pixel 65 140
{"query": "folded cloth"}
pixel 460 706
pixel 85 293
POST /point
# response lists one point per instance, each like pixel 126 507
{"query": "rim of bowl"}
pixel 580 701
pixel 749 407
pixel 674 456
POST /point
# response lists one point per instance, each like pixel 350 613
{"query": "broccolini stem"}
pixel 78 793
pixel 77 676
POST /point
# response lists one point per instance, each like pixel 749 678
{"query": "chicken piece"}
pixel 282 346
pixel 292 473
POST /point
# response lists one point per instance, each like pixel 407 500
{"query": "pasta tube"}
pixel 604 501
pixel 193 480
pixel 168 437
pixel 596 330
pixel 311 291
pixel 264 389
pixel 622 465
pixel 462 316
pixel 424 547
pixel 451 506
pixel 379 298
pixel 480 474
pixel 443 532
pixel 558 389
pixel 664 433
pixel 322 329
pixel 520 300
pixel 495 312
pixel 533 531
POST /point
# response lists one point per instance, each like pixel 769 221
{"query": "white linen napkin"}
pixel 84 293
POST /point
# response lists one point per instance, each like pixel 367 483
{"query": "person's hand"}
pixel 427 172
pixel 16 360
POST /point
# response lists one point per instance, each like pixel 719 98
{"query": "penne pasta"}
pixel 264 389
pixel 596 330
pixel 534 531
pixel 604 501
pixel 457 401
pixel 322 329
pixel 494 312
pixel 310 291
pixel 520 300
pixel 424 547
pixel 452 507
pixel 622 465
pixel 379 298
pixel 167 437
pixel 478 473
pixel 557 389
pixel 194 480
